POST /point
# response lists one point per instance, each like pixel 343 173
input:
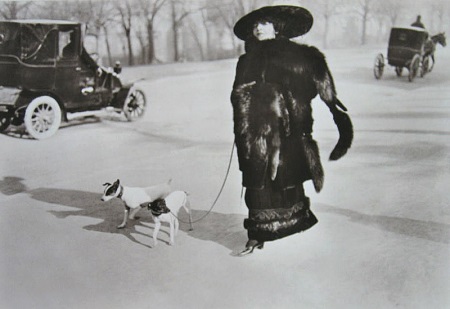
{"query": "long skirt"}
pixel 275 213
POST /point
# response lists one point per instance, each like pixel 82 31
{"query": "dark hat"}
pixel 291 21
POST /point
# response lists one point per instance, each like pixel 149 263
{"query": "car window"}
pixel 67 44
pixel 38 43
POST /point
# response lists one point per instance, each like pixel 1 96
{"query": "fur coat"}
pixel 272 92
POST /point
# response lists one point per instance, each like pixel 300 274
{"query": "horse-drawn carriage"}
pixel 410 48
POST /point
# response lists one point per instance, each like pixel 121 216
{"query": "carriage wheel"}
pixel 399 71
pixel 378 67
pixel 425 66
pixel 414 67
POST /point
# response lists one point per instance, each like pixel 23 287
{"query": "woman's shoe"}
pixel 250 246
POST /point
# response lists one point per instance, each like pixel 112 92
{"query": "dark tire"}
pixel 5 121
pixel 414 67
pixel 399 71
pixel 135 104
pixel 378 66
pixel 42 117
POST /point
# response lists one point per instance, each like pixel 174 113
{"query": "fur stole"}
pixel 303 64
pixel 258 109
pixel 275 83
pixel 261 114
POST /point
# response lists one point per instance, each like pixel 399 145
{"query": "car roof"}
pixel 42 21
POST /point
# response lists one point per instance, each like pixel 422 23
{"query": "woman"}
pixel 275 82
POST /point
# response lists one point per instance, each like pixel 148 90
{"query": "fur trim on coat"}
pixel 275 83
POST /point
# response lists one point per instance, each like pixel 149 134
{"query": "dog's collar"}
pixel 121 192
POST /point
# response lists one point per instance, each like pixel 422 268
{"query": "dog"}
pixel 166 210
pixel 134 198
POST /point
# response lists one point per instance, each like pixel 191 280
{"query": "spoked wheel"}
pixel 378 67
pixel 42 117
pixel 5 120
pixel 414 67
pixel 399 71
pixel 425 66
pixel 135 105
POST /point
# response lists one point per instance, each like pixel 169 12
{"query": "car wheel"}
pixel 42 117
pixel 5 120
pixel 135 105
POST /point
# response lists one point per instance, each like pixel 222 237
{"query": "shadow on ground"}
pixel 224 229
pixel 11 185
pixel 20 131
pixel 428 230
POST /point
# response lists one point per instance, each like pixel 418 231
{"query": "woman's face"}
pixel 264 30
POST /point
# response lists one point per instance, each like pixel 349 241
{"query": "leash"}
pixel 218 195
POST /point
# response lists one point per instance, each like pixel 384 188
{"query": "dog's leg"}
pixel 155 232
pixel 187 207
pixel 172 231
pixel 125 217
pixel 134 212
pixel 176 224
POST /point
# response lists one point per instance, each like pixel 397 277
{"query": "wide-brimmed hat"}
pixel 292 21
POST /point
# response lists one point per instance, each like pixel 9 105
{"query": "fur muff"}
pixel 258 110
pixel 345 128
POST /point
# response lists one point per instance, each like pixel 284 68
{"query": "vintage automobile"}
pixel 46 74
pixel 405 50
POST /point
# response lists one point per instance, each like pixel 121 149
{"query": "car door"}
pixel 75 81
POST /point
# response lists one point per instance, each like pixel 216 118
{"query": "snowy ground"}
pixel 384 220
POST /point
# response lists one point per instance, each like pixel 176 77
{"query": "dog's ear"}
pixel 117 182
pixel 106 184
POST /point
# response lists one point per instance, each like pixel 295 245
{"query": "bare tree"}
pixel 364 10
pixel 231 10
pixel 150 9
pixel 210 23
pixel 178 13
pixel 388 10
pixel 102 17
pixel 140 36
pixel 197 39
pixel 328 9
pixel 14 9
pixel 126 14
pixel 54 10
pixel 440 9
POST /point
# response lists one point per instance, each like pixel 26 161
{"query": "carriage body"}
pixel 404 44
pixel 405 50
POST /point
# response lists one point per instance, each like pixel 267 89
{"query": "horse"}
pixel 430 46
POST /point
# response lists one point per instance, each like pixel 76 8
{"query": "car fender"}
pixel 9 96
